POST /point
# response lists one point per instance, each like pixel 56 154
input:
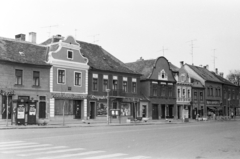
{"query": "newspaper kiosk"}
pixel 32 111
pixel 20 114
pixel 115 113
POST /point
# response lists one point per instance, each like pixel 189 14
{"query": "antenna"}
pixel 94 37
pixel 214 57
pixel 50 27
pixel 192 48
pixel 163 50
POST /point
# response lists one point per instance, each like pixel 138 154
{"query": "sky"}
pixel 199 32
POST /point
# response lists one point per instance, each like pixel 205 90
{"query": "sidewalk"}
pixel 94 123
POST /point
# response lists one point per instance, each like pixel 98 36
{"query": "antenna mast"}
pixel 214 57
pixel 50 27
pixel 163 50
pixel 192 48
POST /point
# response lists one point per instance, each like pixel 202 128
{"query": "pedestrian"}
pixel 232 115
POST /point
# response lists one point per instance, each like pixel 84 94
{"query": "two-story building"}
pixel 68 78
pixel 184 93
pixel 212 85
pixel 107 73
pixel 24 75
pixel 158 85
pixel 230 95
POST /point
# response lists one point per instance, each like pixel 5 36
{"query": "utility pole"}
pixel 214 57
pixel 50 27
pixel 192 46
pixel 163 50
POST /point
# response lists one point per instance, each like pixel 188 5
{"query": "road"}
pixel 200 140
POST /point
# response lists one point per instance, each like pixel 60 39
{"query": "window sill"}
pixel 34 86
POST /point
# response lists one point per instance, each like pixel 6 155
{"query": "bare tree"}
pixel 234 77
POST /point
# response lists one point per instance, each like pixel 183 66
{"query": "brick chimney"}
pixel 181 63
pixel 32 37
pixel 216 71
pixel 20 37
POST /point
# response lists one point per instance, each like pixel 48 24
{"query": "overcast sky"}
pixel 130 29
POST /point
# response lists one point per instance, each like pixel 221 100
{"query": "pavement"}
pixel 101 123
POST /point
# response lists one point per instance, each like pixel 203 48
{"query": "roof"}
pixel 100 59
pixel 145 67
pixel 204 73
pixel 23 52
pixel 196 83
pixel 225 81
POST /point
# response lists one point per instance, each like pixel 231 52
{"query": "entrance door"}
pixel 179 111
pixel 144 111
pixel 77 106
pixel 155 111
pixel 170 108
pixel 42 110
pixel 4 106
pixel 92 110
pixel 163 111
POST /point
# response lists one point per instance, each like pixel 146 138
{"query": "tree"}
pixel 234 77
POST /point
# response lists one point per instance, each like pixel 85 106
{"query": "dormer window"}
pixel 70 54
pixel 183 77
pixel 162 75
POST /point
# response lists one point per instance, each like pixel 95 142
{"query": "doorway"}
pixel 92 109
pixel 163 111
pixel 42 110
pixel 77 106
pixel 155 111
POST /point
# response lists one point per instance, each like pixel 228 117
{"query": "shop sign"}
pixel 68 96
pixel 209 102
pixel 32 110
pixel 97 97
pixel 6 92
pixel 20 112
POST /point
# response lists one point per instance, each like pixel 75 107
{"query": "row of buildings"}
pixel 64 76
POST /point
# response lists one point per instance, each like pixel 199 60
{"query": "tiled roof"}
pixel 100 59
pixel 225 81
pixel 22 52
pixel 204 73
pixel 196 83
pixel 145 67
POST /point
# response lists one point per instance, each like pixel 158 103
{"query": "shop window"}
pixel 61 76
pixel 19 76
pixel 36 78
pixel 78 79
pixel 102 109
pixel 125 109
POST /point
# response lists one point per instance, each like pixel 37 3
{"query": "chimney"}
pixel 181 63
pixel 20 37
pixel 207 67
pixel 32 37
pixel 221 74
pixel 56 38
pixel 216 71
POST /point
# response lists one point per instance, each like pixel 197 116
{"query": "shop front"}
pixel 214 108
pixel 71 106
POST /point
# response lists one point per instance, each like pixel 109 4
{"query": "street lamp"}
pixel 108 90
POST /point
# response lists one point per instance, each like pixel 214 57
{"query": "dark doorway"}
pixel 92 110
pixel 4 106
pixel 77 106
pixel 42 110
pixel 163 111
pixel 170 110
pixel 155 111
pixel 179 111
pixel 144 111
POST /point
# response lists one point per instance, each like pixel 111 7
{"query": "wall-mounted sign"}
pixel 68 96
pixel 213 102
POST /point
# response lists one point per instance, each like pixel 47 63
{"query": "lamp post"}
pixel 108 90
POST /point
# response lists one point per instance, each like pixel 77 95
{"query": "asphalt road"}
pixel 201 140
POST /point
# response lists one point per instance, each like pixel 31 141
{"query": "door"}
pixel 4 106
pixel 42 110
pixel 92 110
pixel 179 111
pixel 77 106
pixel 170 107
pixel 155 111
pixel 163 111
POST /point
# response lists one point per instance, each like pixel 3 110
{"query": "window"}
pixel 178 93
pixel 208 91
pixel 216 92
pixel 115 84
pixel 188 93
pixel 162 75
pixel 19 74
pixel 78 79
pixel 225 94
pixel 36 77
pixel 95 82
pixel 154 90
pixel 102 109
pixel 134 85
pixel 201 96
pixel 70 54
pixel 211 93
pixel 195 95
pixel 183 93
pixel 163 91
pixel 219 93
pixel 105 83
pixel 124 84
pixel 170 92
pixel 61 76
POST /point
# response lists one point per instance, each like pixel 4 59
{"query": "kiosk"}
pixel 32 111
pixel 20 115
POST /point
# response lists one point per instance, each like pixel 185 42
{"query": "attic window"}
pixel 21 53
pixel 70 54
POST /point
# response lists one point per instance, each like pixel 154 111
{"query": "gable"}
pixel 161 70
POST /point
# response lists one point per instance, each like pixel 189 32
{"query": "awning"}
pixel 214 108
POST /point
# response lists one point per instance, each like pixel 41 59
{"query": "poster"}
pixel 20 113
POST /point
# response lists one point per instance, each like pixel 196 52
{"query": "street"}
pixel 208 140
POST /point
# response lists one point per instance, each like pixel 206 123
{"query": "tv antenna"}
pixel 94 38
pixel 192 46
pixel 214 58
pixel 163 50
pixel 50 28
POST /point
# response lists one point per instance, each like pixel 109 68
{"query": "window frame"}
pixel 68 54
pixel 134 85
pixel 123 84
pixel 65 73
pixel 17 77
pixel 95 79
pixel 80 83
pixel 34 78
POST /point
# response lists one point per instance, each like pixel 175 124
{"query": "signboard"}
pixel 32 110
pixel 213 102
pixel 20 112
pixel 68 96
